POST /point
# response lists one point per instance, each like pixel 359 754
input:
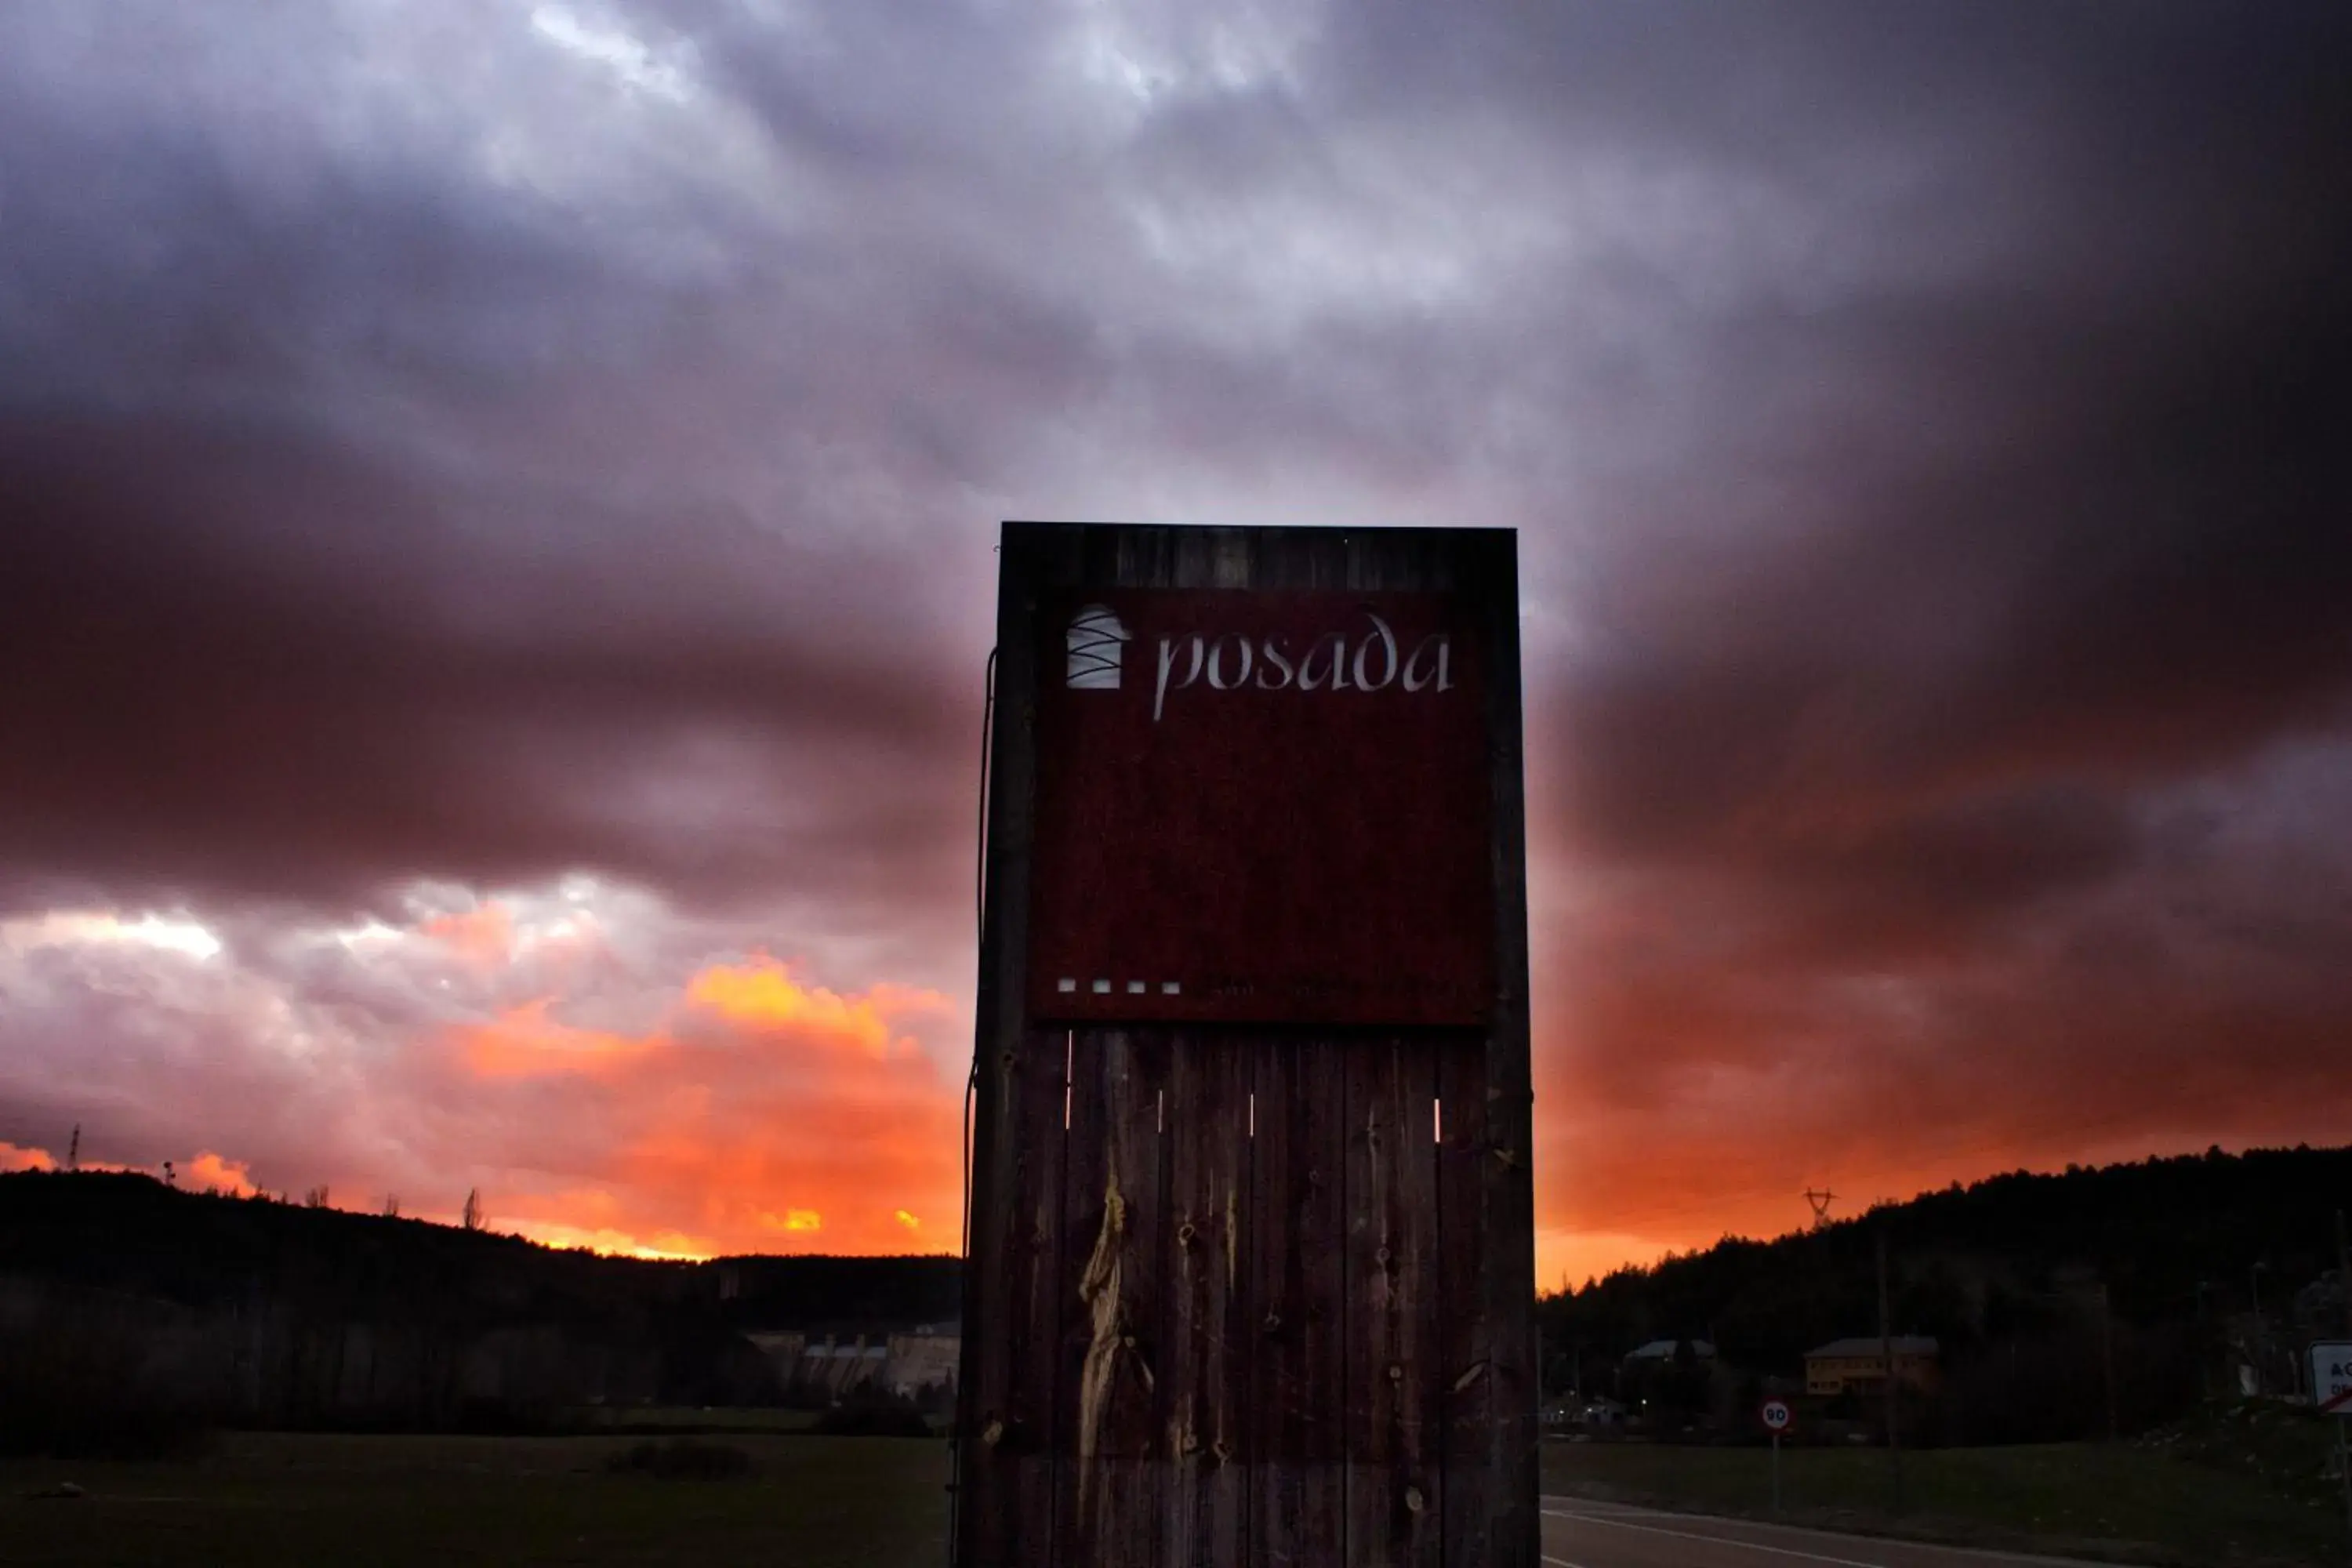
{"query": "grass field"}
pixel 472 1502
pixel 664 1419
pixel 819 1502
pixel 2119 1502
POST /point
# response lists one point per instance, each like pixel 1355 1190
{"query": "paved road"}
pixel 1579 1534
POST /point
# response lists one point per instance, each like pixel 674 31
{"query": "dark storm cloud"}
pixel 570 438
pixel 1894 688
pixel 220 687
pixel 340 549
pixel 377 514
pixel 2094 539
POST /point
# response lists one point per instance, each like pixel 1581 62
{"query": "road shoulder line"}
pixel 1990 1554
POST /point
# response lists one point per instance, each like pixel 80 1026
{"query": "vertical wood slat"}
pixel 1206 1347
pixel 1110 1429
pixel 1506 1199
pixel 1004 1499
pixel 1010 1489
pixel 1392 1346
pixel 1466 1332
pixel 1297 1254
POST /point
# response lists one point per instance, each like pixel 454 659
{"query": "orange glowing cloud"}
pixel 526 1041
pixel 762 1114
pixel 762 993
pixel 208 1170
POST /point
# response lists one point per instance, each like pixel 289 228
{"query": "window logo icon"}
pixel 1098 642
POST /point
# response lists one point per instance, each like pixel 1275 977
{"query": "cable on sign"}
pixel 972 1087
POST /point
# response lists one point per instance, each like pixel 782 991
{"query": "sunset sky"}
pixel 496 517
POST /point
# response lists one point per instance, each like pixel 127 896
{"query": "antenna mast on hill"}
pixel 1821 1201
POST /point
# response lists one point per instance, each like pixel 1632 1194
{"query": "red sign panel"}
pixel 1260 807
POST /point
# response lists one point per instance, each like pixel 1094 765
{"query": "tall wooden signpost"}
pixel 1251 1271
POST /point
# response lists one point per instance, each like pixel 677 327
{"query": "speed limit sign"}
pixel 1776 1418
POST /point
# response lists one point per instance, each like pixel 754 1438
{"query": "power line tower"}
pixel 1821 1201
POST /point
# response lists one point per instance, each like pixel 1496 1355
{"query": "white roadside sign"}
pixel 2331 1376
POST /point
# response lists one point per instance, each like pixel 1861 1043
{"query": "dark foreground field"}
pixel 457 1502
pixel 816 1502
pixel 2247 1486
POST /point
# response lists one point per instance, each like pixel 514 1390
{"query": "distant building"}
pixel 837 1365
pixel 1671 1350
pixel 1561 1414
pixel 926 1358
pixel 1859 1365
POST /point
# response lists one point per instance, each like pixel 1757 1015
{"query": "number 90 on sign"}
pixel 1776 1416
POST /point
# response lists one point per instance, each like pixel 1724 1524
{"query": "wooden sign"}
pixel 1251 1250
pixel 1260 807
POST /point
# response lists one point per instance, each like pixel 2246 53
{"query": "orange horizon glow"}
pixel 15 1157
pixel 745 1110
pixel 761 1112
pixel 1566 1259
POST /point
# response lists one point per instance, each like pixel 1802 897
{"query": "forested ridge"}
pixel 132 1234
pixel 2179 1271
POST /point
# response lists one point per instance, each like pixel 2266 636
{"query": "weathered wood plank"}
pixel 1506 1204
pixel 1207 1343
pixel 1391 1347
pixel 999 1495
pixel 1297 1261
pixel 1110 1493
pixel 1071 556
pixel 1010 1485
pixel 1465 1333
